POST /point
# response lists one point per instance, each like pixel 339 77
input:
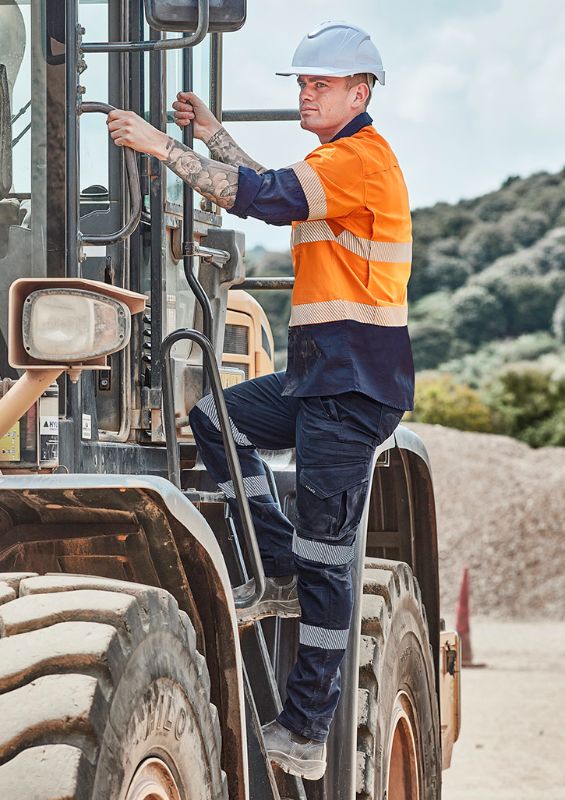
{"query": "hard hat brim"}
pixel 332 72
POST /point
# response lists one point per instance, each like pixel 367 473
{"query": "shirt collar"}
pixel 353 127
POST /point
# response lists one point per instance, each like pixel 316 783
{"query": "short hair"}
pixel 362 77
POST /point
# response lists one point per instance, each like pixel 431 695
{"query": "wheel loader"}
pixel 123 674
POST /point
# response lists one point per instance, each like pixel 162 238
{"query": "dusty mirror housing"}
pixel 182 15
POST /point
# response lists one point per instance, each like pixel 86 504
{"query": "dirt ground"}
pixel 512 743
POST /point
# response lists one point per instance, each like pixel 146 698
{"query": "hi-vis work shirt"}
pixel 352 250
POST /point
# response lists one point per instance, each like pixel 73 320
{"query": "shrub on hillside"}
pixel 440 221
pixel 550 251
pixel 431 343
pixel 478 315
pixel 549 199
pixel 486 242
pixel 528 402
pixel 524 227
pixel 508 268
pixel 444 247
pixel 550 432
pixel 494 205
pixel 434 307
pixel 441 400
pixel 528 305
pixel 448 272
pixel 474 368
pixel 420 283
pixel 558 322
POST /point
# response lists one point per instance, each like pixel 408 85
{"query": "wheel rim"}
pixel 402 780
pixel 153 780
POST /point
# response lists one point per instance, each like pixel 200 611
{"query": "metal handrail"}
pixel 189 246
pixel 133 186
pixel 282 283
pixel 257 589
pixel 260 115
pixel 157 44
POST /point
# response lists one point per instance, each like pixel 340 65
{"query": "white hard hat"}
pixel 339 49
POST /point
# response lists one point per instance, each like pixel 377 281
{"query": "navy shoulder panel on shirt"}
pixel 274 196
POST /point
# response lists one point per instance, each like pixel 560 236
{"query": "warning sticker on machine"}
pixel 86 426
pixel 10 444
pixel 48 439
pixel 49 425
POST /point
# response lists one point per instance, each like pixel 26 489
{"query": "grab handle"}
pixel 132 174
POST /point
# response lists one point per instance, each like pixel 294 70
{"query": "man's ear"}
pixel 362 95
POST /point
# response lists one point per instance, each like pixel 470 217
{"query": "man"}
pixel 349 376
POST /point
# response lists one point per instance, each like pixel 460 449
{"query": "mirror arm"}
pixel 158 44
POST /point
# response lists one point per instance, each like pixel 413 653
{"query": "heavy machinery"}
pixel 122 670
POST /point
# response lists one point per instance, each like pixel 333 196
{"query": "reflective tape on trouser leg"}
pixel 254 485
pixel 322 552
pixel 208 406
pixel 325 638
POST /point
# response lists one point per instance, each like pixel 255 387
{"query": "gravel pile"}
pixel 501 512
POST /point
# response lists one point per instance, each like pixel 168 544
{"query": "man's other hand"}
pixel 127 129
pixel 189 108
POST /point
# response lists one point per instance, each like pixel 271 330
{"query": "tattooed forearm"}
pixel 223 148
pixel 216 182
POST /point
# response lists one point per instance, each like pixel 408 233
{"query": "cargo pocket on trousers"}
pixel 330 499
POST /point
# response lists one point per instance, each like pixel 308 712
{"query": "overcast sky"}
pixel 475 89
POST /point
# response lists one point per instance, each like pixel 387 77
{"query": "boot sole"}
pixel 280 608
pixel 310 770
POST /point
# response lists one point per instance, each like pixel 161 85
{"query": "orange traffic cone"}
pixel 463 626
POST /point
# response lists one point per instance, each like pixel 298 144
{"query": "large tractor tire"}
pixel 398 740
pixel 103 695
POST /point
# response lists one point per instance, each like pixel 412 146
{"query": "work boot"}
pixel 295 754
pixel 279 600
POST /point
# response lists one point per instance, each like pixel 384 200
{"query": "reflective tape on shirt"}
pixel 312 188
pixel 322 552
pixel 254 485
pixel 338 310
pixel 384 252
pixel 326 638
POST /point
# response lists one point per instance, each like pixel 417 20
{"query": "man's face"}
pixel 327 104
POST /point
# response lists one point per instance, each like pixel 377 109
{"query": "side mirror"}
pixel 182 15
pixel 5 135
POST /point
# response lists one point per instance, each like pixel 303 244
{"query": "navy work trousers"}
pixel 335 439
